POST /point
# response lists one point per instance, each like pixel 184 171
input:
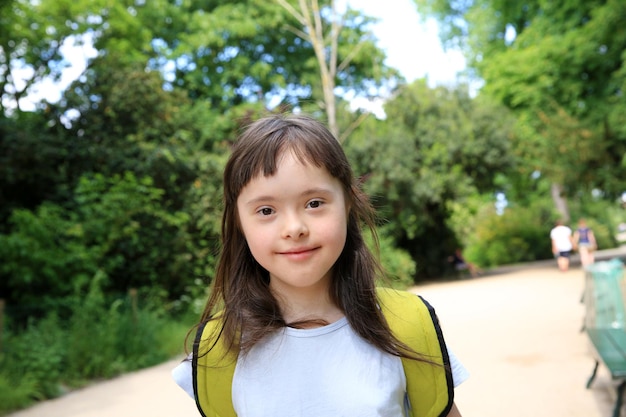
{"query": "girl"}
pixel 295 325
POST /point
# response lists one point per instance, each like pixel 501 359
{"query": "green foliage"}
pixel 50 356
pixel 397 263
pixel 561 68
pixel 86 338
pixel 15 392
pixel 27 140
pixel 35 358
pixel 42 261
pixel 464 214
pixel 31 35
pixel 520 234
pixel 117 227
pixel 125 220
pixel 204 206
pixel 436 146
pixel 234 52
pixel 124 335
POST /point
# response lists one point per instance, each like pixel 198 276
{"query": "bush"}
pixel 397 263
pixel 33 361
pixel 118 227
pixel 15 392
pixel 520 234
pixel 102 338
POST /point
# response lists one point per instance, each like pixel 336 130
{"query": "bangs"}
pixel 258 152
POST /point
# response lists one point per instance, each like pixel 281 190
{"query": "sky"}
pixel 412 46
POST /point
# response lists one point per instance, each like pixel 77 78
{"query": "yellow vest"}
pixel 411 319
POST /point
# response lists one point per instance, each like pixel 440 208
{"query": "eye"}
pixel 265 211
pixel 315 204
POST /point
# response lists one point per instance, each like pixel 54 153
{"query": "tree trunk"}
pixel 326 49
pixel 559 201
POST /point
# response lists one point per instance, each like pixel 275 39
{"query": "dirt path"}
pixel 518 333
pixel 519 336
pixel 146 393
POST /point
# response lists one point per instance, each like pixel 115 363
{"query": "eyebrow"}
pixel 305 193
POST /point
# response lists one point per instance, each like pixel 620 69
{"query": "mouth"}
pixel 298 251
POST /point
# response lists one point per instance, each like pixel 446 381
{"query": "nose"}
pixel 294 226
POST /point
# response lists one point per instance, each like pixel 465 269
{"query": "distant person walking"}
pixel 562 246
pixel 460 264
pixel 585 243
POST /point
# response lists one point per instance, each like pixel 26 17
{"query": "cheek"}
pixel 256 238
pixel 247 234
pixel 337 230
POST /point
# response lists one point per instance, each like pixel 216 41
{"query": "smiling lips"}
pixel 299 253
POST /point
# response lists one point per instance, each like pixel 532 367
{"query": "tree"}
pixel 436 146
pixel 560 67
pixel 232 52
pixel 34 163
pixel 117 228
pixel 31 37
pixel 166 94
pixel 338 61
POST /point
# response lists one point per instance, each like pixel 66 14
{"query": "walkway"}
pixel 517 332
pixel 519 336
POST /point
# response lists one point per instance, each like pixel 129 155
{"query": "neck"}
pixel 307 304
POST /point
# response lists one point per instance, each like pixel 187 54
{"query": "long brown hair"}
pixel 241 286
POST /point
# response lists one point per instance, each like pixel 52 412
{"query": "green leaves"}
pixel 560 67
pixel 117 227
pixel 436 146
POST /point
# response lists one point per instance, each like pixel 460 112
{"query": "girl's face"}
pixel 295 223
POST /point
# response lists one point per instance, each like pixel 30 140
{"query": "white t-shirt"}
pixel 561 236
pixel 288 373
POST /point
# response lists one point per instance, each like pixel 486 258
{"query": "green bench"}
pixel 605 321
